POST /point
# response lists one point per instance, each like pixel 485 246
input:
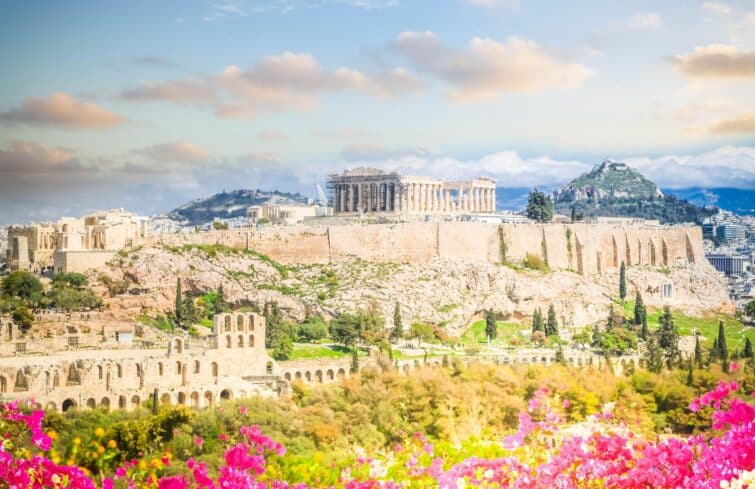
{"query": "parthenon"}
pixel 369 190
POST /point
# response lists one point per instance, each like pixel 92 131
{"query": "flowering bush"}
pixel 544 452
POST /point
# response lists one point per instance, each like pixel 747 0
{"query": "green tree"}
pixel 723 349
pixel 668 337
pixel 750 308
pixel 698 352
pixel 283 348
pixel 560 355
pixel 539 206
pixel 639 309
pixel 77 280
pixel 653 356
pixel 747 352
pixel 421 331
pixel 179 304
pixel 354 361
pixel 398 328
pixel 623 282
pixel 537 321
pixel 313 329
pixel 551 326
pixel 23 317
pixel 221 305
pixel 491 328
pixel 644 331
pixel 690 373
pixel 573 214
pixel 618 340
pixel 22 285
pixel 189 313
pixel 345 329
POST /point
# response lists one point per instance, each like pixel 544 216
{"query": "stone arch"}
pixel 250 319
pixel 3 384
pixel 178 345
pixel 160 368
pixel 119 370
pixel 318 375
pixel 269 368
pixel 68 404
pixel 341 372
pixel 178 368
pixel 91 403
pixel 135 401
pixel 227 323
pixel 329 374
pixel 195 399
pixel 240 322
pixel 240 341
pixel 214 368
pixel 297 375
pixel 208 399
pixel 226 395
pixel 251 341
pixel 181 398
pixel 51 406
pixel 197 366
pixel 99 372
pixel 165 399
pixel 56 380
pixel 308 376
pixel 287 376
pixel 228 341
pixel 121 402
pixel 105 403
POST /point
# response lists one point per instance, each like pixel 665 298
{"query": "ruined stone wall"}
pixel 585 248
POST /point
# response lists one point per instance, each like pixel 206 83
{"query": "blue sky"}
pixel 145 105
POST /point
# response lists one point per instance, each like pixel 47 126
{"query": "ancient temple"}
pixel 369 190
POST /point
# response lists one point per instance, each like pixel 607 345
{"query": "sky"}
pixel 146 105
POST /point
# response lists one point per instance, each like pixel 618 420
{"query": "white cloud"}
pixel 488 68
pixel 62 110
pixel 645 20
pixel 717 8
pixel 717 61
pixel 743 123
pixel 177 152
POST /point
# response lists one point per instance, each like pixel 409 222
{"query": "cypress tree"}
pixel 668 337
pixel 573 213
pixel 551 327
pixel 491 329
pixel 653 356
pixel 639 309
pixel 537 320
pixel 723 350
pixel 747 353
pixel 354 361
pixel 644 332
pixel 698 352
pixel 690 373
pixel 154 402
pixel 623 282
pixel 398 327
pixel 179 303
pixel 220 303
pixel 714 350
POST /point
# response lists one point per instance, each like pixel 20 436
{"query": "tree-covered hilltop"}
pixel 231 204
pixel 615 189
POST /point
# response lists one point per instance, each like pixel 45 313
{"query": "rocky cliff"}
pixel 449 291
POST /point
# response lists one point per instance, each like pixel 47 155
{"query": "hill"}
pixel 615 189
pixel 739 201
pixel 226 205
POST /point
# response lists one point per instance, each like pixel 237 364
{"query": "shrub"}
pixel 534 262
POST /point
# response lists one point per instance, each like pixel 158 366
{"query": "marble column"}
pixel 342 202
pixel 492 199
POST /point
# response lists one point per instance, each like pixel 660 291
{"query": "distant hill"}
pixel 739 201
pixel 227 205
pixel 615 189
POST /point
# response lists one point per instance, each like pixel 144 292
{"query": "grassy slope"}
pixel 476 333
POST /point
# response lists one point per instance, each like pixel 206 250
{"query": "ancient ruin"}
pixel 74 244
pixel 369 190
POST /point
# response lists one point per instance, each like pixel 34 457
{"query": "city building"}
pixel 731 232
pixel 727 264
pixel 370 190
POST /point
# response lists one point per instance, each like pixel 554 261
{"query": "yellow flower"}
pixel 77 441
pixel 100 449
pixel 112 444
pixel 52 434
pixel 99 432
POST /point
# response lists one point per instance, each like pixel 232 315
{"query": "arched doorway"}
pixel 68 404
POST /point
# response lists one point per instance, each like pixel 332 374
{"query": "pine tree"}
pixel 537 320
pixel 623 282
pixel 747 352
pixel 639 309
pixel 220 303
pixel 491 329
pixel 179 304
pixel 398 327
pixel 551 327
pixel 698 352
pixel 668 337
pixel 654 356
pixel 714 350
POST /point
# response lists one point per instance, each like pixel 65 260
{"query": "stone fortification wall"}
pixel 585 248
